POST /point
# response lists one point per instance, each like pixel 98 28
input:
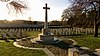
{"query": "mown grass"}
pixel 7 49
pixel 82 40
pixel 87 41
pixel 33 33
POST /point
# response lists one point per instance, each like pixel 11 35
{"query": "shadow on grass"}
pixel 7 39
pixel 62 45
pixel 69 35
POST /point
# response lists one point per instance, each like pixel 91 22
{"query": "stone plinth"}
pixel 46 31
pixel 46 38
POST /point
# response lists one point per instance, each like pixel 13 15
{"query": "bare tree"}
pixel 78 7
pixel 15 5
pixel 91 5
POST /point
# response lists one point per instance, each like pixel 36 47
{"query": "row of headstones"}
pixel 14 33
pixel 62 31
pixel 11 34
pixel 68 31
pixel 28 29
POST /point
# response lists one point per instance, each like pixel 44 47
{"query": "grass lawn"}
pixel 33 33
pixel 87 41
pixel 61 48
pixel 7 49
pixel 82 40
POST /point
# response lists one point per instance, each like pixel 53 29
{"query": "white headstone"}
pixel 73 52
pixel 4 36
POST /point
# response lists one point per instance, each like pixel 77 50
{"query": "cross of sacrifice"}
pixel 46 16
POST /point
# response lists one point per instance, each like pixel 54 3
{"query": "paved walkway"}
pixel 44 49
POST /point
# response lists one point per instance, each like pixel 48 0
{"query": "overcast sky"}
pixel 36 10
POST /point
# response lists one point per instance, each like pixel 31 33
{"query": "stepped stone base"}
pixel 46 37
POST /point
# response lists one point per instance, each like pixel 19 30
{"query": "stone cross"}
pixel 46 16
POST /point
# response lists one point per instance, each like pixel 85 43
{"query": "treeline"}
pixel 21 22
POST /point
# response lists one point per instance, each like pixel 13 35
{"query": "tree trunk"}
pixel 95 28
pixel 95 21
